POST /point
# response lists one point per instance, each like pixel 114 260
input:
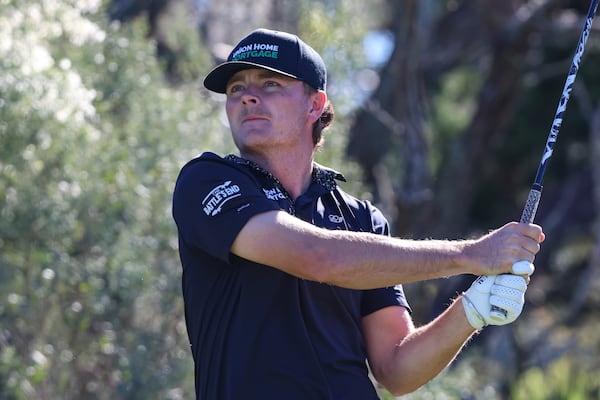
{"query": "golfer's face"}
pixel 266 109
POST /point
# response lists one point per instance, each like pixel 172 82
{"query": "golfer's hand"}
pixel 505 291
pixel 498 251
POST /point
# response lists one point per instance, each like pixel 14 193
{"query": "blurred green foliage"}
pixel 452 109
pixel 92 139
pixel 564 379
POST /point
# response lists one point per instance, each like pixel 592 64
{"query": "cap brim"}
pixel 217 79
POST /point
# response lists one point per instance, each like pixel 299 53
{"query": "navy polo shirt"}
pixel 257 332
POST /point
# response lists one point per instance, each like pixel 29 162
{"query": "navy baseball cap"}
pixel 280 52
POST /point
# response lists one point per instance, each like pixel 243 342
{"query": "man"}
pixel 290 284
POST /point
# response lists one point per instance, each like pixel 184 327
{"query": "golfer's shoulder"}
pixel 206 162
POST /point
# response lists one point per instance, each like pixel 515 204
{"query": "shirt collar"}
pixel 324 176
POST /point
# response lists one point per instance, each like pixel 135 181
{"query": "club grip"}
pixel 533 200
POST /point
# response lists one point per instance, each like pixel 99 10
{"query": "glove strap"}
pixel 475 318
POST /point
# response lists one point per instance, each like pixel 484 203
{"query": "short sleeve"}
pixel 376 299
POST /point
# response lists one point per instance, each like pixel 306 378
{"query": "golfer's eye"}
pixel 235 88
pixel 271 83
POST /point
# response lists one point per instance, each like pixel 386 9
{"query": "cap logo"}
pixel 256 50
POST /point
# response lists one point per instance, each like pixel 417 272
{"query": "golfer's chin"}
pixel 251 128
pixel 251 140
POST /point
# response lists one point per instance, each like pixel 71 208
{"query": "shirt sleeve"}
pixel 212 201
pixel 376 299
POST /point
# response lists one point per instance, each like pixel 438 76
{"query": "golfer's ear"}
pixel 318 101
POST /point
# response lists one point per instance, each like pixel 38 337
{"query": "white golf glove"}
pixel 506 291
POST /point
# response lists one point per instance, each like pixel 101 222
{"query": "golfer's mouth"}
pixel 251 118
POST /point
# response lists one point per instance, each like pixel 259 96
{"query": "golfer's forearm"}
pixel 364 261
pixel 348 259
pixel 423 354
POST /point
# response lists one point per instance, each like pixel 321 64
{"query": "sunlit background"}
pixel 442 112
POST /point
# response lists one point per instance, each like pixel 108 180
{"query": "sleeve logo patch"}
pixel 213 203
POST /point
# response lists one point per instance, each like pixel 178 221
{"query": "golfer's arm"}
pixel 403 358
pixel 348 259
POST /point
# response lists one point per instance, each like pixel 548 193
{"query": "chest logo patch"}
pixel 274 194
pixel 212 204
